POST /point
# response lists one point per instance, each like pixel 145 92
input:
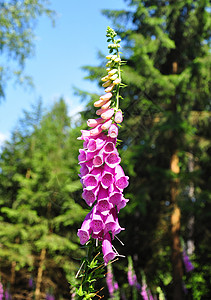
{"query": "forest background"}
pixel 165 150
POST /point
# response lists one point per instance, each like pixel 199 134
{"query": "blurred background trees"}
pixel 165 151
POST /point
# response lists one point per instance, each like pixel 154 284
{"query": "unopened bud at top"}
pixel 118 118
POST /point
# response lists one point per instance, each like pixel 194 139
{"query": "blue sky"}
pixel 60 53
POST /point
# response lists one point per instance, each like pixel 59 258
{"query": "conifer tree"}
pixel 39 210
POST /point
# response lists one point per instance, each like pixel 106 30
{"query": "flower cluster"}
pixel 103 181
pixel 188 265
pixel 102 177
pixel 111 284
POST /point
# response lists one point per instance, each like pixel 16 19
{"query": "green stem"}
pixel 118 86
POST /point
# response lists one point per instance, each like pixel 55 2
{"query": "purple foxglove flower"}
pixel 110 224
pixel 97 223
pixel 116 286
pixel 103 182
pixel 50 297
pixel 113 131
pixel 85 230
pixel 116 198
pixel 84 134
pixel 118 118
pixel 82 156
pixel 98 160
pixel 109 281
pixel 144 292
pixel 103 193
pixel 113 159
pixel 108 253
pixel 1 291
pixel 122 204
pixel 188 265
pixel 95 144
pixel 103 206
pixel 90 195
pixel 121 179
pixel 84 170
pixel 91 154
pixel 31 282
pixel 107 179
pixel 98 235
pixel 90 181
pixel 109 147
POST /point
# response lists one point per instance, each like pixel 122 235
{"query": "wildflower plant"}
pixel 102 177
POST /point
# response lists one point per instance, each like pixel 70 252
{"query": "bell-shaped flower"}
pixel 85 230
pixel 113 131
pixel 121 180
pixel 90 196
pixel 97 223
pixel 110 224
pixel 108 252
pixel 84 134
pixel 84 170
pixel 109 147
pixel 82 156
pixel 90 181
pixel 102 193
pixel 122 204
pixel 95 144
pixel 113 159
pixel 116 198
pixel 103 206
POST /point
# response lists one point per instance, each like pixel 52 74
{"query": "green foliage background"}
pixel 166 111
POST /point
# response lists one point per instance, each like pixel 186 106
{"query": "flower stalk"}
pixel 102 178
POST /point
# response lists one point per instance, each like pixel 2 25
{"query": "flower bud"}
pixel 94 122
pixel 109 56
pixel 107 124
pixel 106 97
pixel 107 114
pixel 114 77
pixel 99 103
pixel 118 117
pixel 117 81
pixel 112 72
pixel 109 88
pixel 118 59
pixel 106 105
pixel 113 131
pixel 107 83
pixel 105 78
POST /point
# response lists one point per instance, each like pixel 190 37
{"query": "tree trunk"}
pixel 39 274
pixel 177 264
